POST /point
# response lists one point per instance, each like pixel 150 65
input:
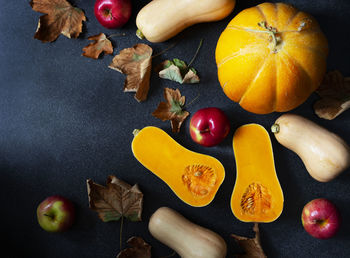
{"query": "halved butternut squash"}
pixel 195 178
pixel 257 195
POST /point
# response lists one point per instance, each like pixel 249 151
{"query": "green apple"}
pixel 55 214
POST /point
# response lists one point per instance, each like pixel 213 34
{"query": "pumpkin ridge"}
pixel 314 50
pixel 239 53
pixel 291 19
pixel 303 70
pixel 261 12
pixel 223 86
pixel 255 77
pixel 274 105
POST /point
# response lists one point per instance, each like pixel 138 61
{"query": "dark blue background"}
pixel 64 118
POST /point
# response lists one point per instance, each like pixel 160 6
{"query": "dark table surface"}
pixel 64 118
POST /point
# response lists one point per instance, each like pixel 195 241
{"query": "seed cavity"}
pixel 199 179
pixel 256 199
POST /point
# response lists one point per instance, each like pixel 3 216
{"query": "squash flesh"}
pixel 194 178
pixel 257 194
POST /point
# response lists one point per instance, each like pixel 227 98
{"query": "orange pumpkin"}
pixel 271 57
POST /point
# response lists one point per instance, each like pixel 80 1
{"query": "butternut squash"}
pixel 162 19
pixel 186 238
pixel 324 154
pixel 195 178
pixel 257 195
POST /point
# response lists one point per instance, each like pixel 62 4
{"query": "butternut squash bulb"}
pixel 271 57
pixel 194 178
pixel 160 20
pixel 324 154
pixel 257 195
pixel 188 239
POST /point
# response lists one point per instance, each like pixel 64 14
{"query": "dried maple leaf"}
pixel 252 246
pixel 172 109
pixel 60 18
pixel 178 71
pixel 335 96
pixel 101 44
pixel 139 249
pixel 115 200
pixel 136 63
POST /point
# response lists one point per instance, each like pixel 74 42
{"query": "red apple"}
pixel 321 218
pixel 112 13
pixel 209 126
pixel 55 214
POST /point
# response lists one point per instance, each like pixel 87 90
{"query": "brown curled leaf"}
pixel 335 96
pixel 172 109
pixel 136 64
pixel 101 44
pixel 252 246
pixel 139 249
pixel 60 18
pixel 115 200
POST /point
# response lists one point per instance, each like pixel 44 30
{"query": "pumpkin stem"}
pixel 139 34
pixel 275 128
pixel 271 31
pixel 135 132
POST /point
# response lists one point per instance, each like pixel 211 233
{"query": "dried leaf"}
pixel 172 109
pixel 178 71
pixel 335 96
pixel 136 63
pixel 252 246
pixel 60 18
pixel 115 200
pixel 101 44
pixel 139 249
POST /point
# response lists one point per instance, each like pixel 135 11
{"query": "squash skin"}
pixel 255 165
pixel 168 160
pixel 260 80
pixel 160 20
pixel 324 154
pixel 189 240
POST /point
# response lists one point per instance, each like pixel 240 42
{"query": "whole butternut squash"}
pixel 162 19
pixel 271 57
pixel 195 178
pixel 257 195
pixel 324 154
pixel 189 240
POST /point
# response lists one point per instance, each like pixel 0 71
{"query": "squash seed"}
pixel 256 199
pixel 199 179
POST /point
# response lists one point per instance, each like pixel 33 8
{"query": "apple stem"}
pixel 48 215
pixel 206 130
